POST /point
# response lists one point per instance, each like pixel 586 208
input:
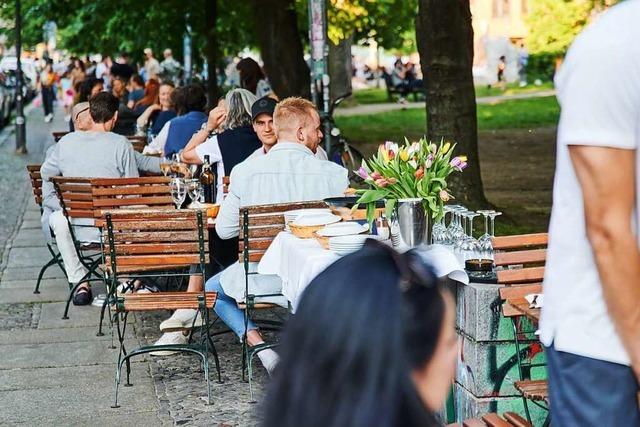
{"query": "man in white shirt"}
pixel 288 173
pixel 151 65
pixel 591 316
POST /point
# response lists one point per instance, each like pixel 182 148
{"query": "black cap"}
pixel 263 105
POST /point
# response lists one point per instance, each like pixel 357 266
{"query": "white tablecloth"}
pixel 298 261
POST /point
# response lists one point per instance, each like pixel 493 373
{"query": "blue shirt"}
pixel 181 129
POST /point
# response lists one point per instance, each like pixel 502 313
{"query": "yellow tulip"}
pixel 446 147
pixel 404 156
pixel 385 155
pixel 463 158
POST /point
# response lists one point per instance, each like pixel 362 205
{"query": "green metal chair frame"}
pixel 270 220
pixel 169 229
pixel 74 194
pixel 56 259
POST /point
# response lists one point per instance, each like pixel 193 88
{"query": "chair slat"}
pixel 155 248
pixel 166 236
pixel 473 422
pixel 132 201
pixel 283 207
pixel 516 420
pixel 263 232
pixel 175 259
pixel 184 224
pixel 130 190
pixel 534 256
pixel 521 275
pixel 144 180
pixel 520 291
pixel 520 241
pixel 167 301
pixel 493 420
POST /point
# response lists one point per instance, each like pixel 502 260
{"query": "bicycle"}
pixel 340 149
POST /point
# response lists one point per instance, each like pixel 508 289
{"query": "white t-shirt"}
pixel 598 89
pixel 320 153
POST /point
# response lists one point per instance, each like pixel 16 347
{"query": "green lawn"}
pixel 378 96
pixel 395 125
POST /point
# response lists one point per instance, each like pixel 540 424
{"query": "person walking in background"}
pixel 47 81
pixel 523 61
pixel 590 323
pixel 252 78
pixel 151 65
pixel 170 69
pixel 500 77
pixel 373 343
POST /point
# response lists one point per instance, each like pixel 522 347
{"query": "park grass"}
pixel 379 96
pixel 395 125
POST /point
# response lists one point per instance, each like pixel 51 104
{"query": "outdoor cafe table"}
pixel 298 261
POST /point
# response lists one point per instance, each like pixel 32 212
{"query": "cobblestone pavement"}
pixel 58 372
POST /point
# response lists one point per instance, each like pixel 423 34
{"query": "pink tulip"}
pixel 376 175
pixel 444 196
pixel 462 166
pixel 362 173
pixel 381 182
pixel 429 161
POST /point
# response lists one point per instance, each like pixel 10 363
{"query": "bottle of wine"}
pixel 208 181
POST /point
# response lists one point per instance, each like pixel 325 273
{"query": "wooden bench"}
pixel 139 244
pixel 393 90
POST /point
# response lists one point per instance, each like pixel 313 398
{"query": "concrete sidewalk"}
pixel 58 372
pixel 367 109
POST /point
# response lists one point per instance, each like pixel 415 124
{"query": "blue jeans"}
pixel 589 392
pixel 227 308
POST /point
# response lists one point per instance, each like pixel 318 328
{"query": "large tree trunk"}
pixel 281 48
pixel 211 51
pixel 445 43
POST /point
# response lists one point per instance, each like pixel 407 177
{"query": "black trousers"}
pixel 47 99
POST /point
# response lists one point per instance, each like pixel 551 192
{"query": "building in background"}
pixel 499 28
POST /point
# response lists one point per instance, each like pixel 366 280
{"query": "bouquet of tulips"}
pixel 414 170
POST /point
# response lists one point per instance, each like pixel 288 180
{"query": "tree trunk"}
pixel 211 51
pixel 445 42
pixel 276 28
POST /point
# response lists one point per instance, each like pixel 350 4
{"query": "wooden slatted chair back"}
pixel 514 293
pixel 117 193
pixel 264 224
pixel 522 258
pixel 75 196
pixel 36 182
pixel 152 240
pixel 138 142
pixel 58 135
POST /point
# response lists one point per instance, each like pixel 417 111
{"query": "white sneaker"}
pixel 169 338
pixel 48 118
pixel 269 359
pixel 99 300
pixel 181 319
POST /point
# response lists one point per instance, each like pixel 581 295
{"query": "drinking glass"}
pixel 178 191
pixel 194 188
pixel 485 239
pixel 471 246
pixel 165 166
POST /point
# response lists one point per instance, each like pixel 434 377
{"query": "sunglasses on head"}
pixel 413 270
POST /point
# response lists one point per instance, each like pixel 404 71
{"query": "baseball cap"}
pixel 263 105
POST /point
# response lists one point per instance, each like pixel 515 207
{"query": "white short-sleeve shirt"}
pixel 598 88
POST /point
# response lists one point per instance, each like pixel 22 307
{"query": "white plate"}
pixel 292 215
pixel 344 245
pixel 343 229
pixel 315 220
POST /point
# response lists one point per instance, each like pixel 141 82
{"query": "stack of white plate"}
pixel 315 220
pixel 343 245
pixel 291 216
pixel 343 229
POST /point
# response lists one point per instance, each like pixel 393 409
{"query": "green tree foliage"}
pixel 553 24
pixel 389 22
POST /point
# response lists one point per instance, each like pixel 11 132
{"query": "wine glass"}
pixel 178 191
pixel 194 189
pixel 485 239
pixel 165 166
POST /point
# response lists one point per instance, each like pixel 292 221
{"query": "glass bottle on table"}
pixel 208 181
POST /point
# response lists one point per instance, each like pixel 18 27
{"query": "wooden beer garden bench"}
pixel 522 258
pixel 151 243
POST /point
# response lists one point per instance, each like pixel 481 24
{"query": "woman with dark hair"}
pixel 372 344
pixel 90 87
pixel 150 97
pixel 252 78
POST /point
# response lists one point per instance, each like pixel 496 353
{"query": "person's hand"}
pixel 182 169
pixel 216 117
pixel 155 107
